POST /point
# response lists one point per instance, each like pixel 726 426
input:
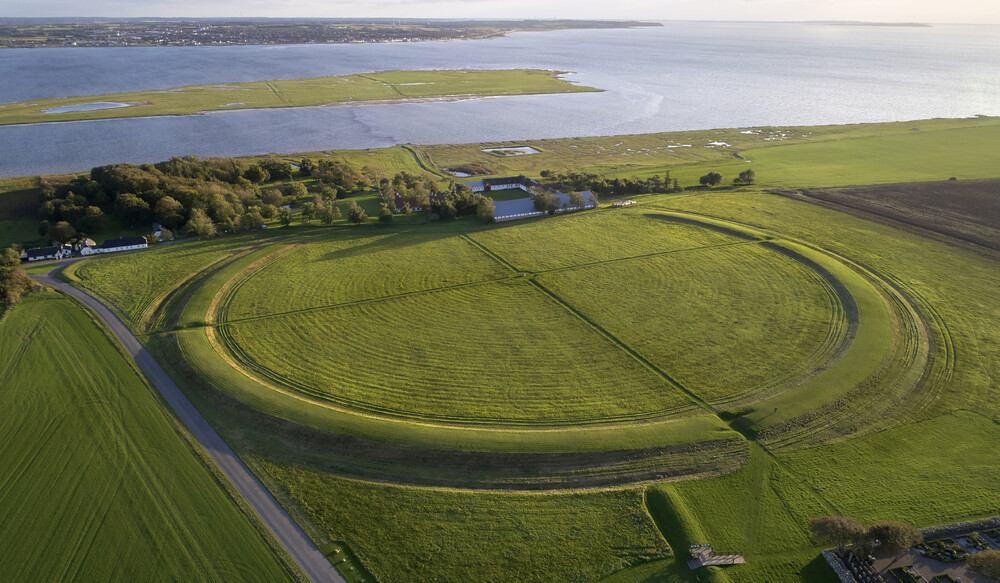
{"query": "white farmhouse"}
pixel 124 244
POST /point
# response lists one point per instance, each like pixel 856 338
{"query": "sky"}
pixel 928 11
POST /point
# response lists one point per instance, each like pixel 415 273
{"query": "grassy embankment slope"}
pixel 391 86
pixel 930 462
pixel 98 484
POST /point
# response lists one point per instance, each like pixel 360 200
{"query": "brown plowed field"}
pixel 966 211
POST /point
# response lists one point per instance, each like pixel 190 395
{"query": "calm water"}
pixel 679 77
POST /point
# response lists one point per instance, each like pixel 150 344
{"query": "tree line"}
pixel 577 181
pixel 200 196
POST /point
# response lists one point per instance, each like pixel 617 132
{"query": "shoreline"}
pixel 734 147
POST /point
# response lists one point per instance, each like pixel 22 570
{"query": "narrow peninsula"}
pixel 383 87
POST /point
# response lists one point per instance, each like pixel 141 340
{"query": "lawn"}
pixel 418 534
pixel 99 485
pixel 349 265
pixel 383 86
pixel 493 353
pixel 930 472
pixel 762 320
pixel 588 237
pixel 954 288
pixel 136 283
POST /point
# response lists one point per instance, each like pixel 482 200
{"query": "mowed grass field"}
pixel 500 352
pixel 922 450
pixel 342 268
pixel 136 283
pixel 387 85
pixel 419 534
pixel 98 485
pixel 702 314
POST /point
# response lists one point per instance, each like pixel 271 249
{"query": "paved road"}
pixel 285 530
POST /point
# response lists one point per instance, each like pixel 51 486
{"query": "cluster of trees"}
pixel 575 181
pixel 407 185
pixel 746 177
pixel 461 201
pixel 456 201
pixel 546 201
pixel 199 195
pixel 849 535
pixel 14 282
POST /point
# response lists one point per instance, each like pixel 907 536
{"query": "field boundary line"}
pixel 492 254
pixel 624 347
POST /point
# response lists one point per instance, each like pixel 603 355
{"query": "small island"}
pixel 370 88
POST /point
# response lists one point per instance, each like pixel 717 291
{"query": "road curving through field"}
pixel 302 550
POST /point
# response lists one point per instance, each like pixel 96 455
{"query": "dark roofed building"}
pixel 123 244
pixel 488 184
pixel 40 253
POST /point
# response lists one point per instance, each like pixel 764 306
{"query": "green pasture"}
pixel 795 157
pixel 955 289
pixel 417 534
pixel 382 86
pixel 135 283
pixel 493 353
pixel 724 322
pixel 928 472
pixel 344 266
pixel 540 245
pixel 98 483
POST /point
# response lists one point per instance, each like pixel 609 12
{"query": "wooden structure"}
pixel 702 556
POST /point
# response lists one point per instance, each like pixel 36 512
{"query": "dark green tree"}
pixel 169 212
pixel 92 221
pixel 545 200
pixel 61 232
pixel 200 224
pixel 894 537
pixel 746 177
pixel 485 209
pixel 308 212
pixel 131 209
pixel 711 179
pixel 256 174
pixel 14 282
pixel 356 214
pixel 385 214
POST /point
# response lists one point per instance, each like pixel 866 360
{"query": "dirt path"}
pixel 312 562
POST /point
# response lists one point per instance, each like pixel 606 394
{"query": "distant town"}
pixel 98 32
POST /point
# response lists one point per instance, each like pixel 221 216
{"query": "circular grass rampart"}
pixel 870 349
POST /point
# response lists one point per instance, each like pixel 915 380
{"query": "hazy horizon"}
pixel 878 11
